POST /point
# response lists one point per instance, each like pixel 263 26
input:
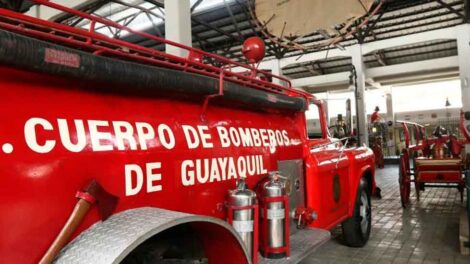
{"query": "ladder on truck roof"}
pixel 102 45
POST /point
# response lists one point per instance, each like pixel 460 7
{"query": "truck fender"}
pixel 112 240
pixel 367 173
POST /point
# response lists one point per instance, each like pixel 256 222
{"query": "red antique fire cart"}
pixel 437 160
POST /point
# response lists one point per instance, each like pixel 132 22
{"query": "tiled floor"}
pixel 426 232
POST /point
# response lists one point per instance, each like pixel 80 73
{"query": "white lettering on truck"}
pixel 195 137
pixel 101 135
pixel 202 171
pixel 145 133
pixel 253 137
pixel 76 135
pixel 100 141
pixel 190 133
pixel 122 135
pixel 134 178
pixel 31 138
pixel 65 135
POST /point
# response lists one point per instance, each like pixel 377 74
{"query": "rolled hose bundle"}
pixel 130 78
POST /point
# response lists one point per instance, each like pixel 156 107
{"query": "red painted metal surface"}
pixel 431 164
pixel 58 134
pixel 254 49
pixel 85 196
pixel 404 178
pixel 452 176
pixel 41 186
pixel 304 216
pixel 37 189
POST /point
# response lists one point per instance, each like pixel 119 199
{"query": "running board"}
pixel 302 244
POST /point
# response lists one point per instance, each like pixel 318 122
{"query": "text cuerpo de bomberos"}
pixel 44 136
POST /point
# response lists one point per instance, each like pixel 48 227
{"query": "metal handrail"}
pixel 409 123
pixel 102 45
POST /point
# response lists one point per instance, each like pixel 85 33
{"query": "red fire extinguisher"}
pixel 274 205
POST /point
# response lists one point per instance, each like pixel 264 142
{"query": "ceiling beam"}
pixel 431 68
pixel 414 67
pixel 320 55
pixel 218 29
pixel 234 21
pixel 159 3
pixel 451 9
pixel 334 79
pixel 438 34
pixel 84 7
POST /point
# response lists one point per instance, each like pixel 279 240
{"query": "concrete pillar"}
pixel 276 69
pixel 463 47
pixel 358 62
pixel 389 103
pixel 390 117
pixel 178 25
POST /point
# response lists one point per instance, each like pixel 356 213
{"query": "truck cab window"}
pixel 312 116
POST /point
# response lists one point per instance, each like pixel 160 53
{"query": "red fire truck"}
pixel 112 152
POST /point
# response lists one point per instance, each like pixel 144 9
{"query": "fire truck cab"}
pixel 112 152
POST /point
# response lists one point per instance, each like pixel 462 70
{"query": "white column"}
pixel 276 69
pixel 178 25
pixel 390 118
pixel 389 103
pixel 358 62
pixel 463 47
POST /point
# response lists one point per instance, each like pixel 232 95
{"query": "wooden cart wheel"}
pixel 419 186
pixel 404 179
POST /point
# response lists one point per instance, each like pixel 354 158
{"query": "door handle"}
pixel 341 152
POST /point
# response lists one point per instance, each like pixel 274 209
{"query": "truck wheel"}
pixel 356 230
pixel 179 245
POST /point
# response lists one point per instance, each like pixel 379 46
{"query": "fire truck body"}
pixel 156 138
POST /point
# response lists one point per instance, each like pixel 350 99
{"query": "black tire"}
pixel 404 181
pixel 356 230
pixel 179 245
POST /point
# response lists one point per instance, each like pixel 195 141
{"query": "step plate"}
pixel 302 244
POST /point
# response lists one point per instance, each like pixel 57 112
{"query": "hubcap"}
pixel 364 212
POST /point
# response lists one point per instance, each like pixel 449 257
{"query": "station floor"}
pixel 426 232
